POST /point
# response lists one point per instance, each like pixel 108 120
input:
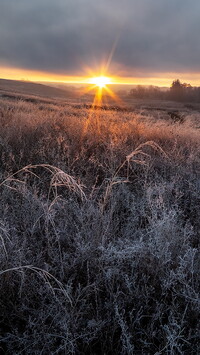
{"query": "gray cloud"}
pixel 63 36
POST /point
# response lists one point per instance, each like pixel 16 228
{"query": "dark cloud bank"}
pixel 63 36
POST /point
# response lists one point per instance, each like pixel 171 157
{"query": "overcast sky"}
pixel 64 36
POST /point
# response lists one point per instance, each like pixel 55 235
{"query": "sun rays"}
pixel 100 87
pixel 101 81
pixel 103 95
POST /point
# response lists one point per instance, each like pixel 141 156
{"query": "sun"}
pixel 100 87
pixel 100 81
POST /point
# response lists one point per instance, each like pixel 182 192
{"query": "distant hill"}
pixel 30 88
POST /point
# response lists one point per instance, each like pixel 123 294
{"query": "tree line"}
pixel 178 92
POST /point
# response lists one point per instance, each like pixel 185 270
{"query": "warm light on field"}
pixel 100 85
pixel 101 81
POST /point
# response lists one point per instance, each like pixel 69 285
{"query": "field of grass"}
pixel 99 229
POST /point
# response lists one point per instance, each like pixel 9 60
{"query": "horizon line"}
pixel 158 79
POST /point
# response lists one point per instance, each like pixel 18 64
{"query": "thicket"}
pixel 99 232
pixel 177 92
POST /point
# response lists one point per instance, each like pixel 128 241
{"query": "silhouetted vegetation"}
pixel 177 92
pixel 151 92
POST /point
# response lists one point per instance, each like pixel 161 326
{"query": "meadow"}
pixel 99 227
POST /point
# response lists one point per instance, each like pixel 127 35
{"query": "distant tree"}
pixel 150 92
pixel 176 90
pixel 180 91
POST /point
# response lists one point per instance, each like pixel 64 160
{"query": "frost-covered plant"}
pixel 99 232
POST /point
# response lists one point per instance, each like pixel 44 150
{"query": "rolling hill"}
pixel 30 88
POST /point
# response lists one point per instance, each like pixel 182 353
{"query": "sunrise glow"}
pixel 158 79
pixel 101 81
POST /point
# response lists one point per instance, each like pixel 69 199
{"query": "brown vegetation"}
pixel 99 230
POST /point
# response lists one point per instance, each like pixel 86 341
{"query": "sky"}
pixel 138 41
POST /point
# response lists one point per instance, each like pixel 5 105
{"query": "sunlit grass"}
pixel 99 232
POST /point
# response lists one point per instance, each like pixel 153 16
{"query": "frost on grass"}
pixel 99 232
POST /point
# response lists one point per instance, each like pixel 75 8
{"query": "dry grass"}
pixel 99 231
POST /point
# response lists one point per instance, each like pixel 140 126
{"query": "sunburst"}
pixel 100 81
